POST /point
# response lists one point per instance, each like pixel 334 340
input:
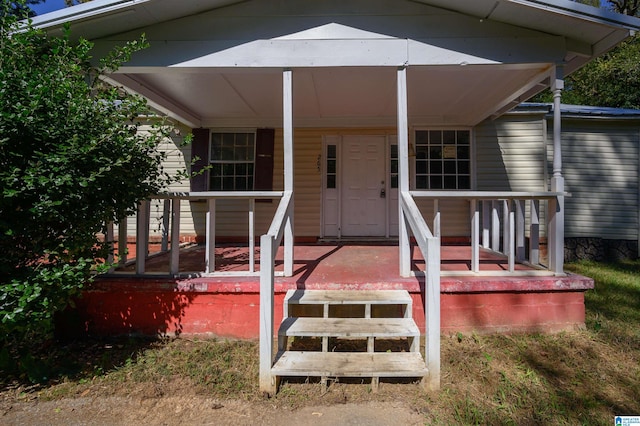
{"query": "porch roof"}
pixel 216 63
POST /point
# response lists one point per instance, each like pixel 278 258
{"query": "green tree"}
pixel 612 80
pixel 73 156
pixel 20 8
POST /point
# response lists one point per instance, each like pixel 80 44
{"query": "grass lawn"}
pixel 581 377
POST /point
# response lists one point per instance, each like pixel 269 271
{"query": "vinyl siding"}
pixel 511 156
pixel 600 166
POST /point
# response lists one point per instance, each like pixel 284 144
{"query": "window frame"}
pixel 211 162
pixel 443 174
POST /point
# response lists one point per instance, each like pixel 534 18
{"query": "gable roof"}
pixel 467 59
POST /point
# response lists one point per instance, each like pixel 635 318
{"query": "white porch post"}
pixel 403 172
pixel 210 239
pixel 556 206
pixel 287 129
pixel 142 235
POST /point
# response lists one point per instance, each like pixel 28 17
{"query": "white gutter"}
pixel 583 11
pixel 83 11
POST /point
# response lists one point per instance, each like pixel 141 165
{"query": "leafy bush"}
pixel 73 156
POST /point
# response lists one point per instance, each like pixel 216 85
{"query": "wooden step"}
pixel 349 364
pixel 349 327
pixel 348 297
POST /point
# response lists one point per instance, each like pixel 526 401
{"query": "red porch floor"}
pixel 341 262
pixel 229 306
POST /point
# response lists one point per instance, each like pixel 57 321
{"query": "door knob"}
pixel 383 193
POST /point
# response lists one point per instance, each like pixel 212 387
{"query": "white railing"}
pixel 281 227
pixel 429 245
pixel 170 230
pixel 501 222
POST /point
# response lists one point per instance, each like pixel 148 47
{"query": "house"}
pixel 362 121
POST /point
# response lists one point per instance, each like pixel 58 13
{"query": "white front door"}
pixel 363 195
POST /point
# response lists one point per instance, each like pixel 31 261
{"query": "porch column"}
pixel 556 206
pixel 403 171
pixel 287 129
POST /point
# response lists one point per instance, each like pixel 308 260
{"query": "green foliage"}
pixel 612 80
pixel 73 156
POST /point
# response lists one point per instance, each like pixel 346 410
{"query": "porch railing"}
pixel 170 230
pixel 501 221
pixel 281 227
pixel 429 245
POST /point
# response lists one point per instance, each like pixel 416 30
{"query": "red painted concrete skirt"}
pixel 229 307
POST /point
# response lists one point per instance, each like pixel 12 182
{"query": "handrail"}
pixel 429 245
pixel 276 230
pixel 506 235
pixel 191 195
pixel 143 221
pixel 269 243
pixel 491 195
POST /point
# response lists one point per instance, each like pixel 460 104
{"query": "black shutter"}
pixel 199 149
pixel 263 172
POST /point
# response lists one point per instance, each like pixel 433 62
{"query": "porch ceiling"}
pixel 341 96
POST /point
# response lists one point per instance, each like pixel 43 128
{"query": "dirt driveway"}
pixel 195 410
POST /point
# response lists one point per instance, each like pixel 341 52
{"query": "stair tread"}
pixel 338 297
pixel 350 364
pixel 348 327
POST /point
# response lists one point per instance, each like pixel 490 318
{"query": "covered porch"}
pixel 227 305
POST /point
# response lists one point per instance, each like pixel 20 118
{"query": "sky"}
pixel 48 6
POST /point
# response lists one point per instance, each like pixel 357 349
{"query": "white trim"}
pixel 472 152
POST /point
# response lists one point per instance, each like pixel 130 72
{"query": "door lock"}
pixel 383 193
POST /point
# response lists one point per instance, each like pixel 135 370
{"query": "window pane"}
pixel 227 183
pixel 449 137
pixel 463 152
pixel 331 166
pixel 240 153
pixel 241 169
pixel 394 151
pixel 421 152
pixel 331 181
pixel 422 137
pixel 216 170
pixel 394 166
pixel 228 169
pixel 435 167
pixel 450 182
pixel 421 167
pixel 331 151
pixel 435 152
pixel 421 182
pixel 215 184
pixel 241 183
pixel 436 182
pixel 463 168
pixel 463 137
pixel 450 167
pixel 394 181
pixel 464 182
pixel 435 137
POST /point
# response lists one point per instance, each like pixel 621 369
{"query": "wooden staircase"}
pixel 351 321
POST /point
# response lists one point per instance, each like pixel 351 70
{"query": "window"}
pixel 443 159
pixel 232 157
pixel 332 166
pixel 393 166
